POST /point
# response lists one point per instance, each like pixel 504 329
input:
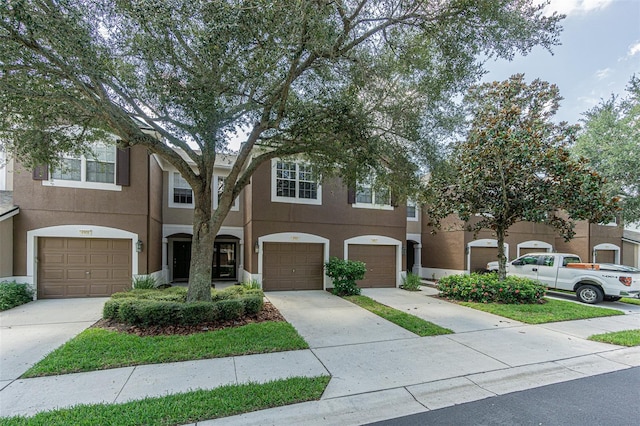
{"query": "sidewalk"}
pixel 378 369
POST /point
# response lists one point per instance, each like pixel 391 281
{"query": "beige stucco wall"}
pixel 6 248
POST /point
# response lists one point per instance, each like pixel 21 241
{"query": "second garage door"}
pixel 292 266
pixel 380 261
pixel 83 267
pixel 480 256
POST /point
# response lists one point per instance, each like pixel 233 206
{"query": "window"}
pixel 219 185
pixel 367 197
pixel 412 211
pixel 180 192
pixel 547 260
pixel 294 182
pixel 93 171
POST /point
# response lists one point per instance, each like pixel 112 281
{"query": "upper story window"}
pixel 369 198
pixel 219 185
pixel 180 192
pixel 293 182
pixel 92 171
pixel 412 211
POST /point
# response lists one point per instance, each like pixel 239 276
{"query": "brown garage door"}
pixel 292 266
pixel 83 267
pixel 480 256
pixel 380 261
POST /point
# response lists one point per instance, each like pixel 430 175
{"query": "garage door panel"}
pixel 480 256
pixel 380 262
pixel 292 266
pixel 77 267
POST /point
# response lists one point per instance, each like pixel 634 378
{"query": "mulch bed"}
pixel 268 313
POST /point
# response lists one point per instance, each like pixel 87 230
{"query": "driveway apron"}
pixel 29 332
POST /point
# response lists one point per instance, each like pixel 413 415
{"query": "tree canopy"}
pixel 610 140
pixel 345 83
pixel 515 166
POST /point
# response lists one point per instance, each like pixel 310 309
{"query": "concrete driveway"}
pixel 29 332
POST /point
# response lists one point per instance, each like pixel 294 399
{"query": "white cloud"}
pixel 568 7
pixel 634 49
pixel 603 73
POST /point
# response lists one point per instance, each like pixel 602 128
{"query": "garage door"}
pixel 292 266
pixel 380 261
pixel 83 267
pixel 480 256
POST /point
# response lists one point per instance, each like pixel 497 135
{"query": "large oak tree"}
pixel 515 165
pixel 345 83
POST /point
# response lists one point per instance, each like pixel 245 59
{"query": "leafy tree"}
pixel 610 140
pixel 515 166
pixel 344 83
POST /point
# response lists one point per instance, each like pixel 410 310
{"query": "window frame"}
pixel 172 187
pixel 416 215
pixel 83 183
pixel 216 194
pixel 373 205
pixel 292 200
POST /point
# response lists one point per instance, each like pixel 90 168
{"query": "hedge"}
pixel 486 288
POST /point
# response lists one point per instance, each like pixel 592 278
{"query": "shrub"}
pixel 155 312
pixel 486 288
pixel 230 309
pixel 253 304
pixel 199 312
pixel 253 284
pixel 110 309
pixel 345 273
pixel 13 294
pixel 144 282
pixel 411 282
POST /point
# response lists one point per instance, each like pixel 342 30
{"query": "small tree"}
pixel 344 274
pixel 514 166
pixel 611 141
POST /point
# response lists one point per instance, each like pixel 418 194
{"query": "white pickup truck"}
pixel 592 282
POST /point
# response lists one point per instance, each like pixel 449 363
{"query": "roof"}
pixel 7 209
pixel 631 236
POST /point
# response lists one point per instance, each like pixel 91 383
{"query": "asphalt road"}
pixel 606 399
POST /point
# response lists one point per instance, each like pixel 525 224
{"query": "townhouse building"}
pixel 87 229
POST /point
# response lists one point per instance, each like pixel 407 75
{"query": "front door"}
pixel 224 260
pixel 181 260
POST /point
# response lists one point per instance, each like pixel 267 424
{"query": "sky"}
pixel 599 52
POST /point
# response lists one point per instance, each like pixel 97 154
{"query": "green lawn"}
pixel 552 311
pixel 409 322
pixel 630 300
pixel 622 338
pixel 184 408
pixel 97 349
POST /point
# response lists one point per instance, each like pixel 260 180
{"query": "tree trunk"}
pixel 204 235
pixel 502 259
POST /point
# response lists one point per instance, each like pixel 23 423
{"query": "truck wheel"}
pixel 612 298
pixel 589 294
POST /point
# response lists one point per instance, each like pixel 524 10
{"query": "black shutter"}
pixel 41 172
pixel 122 166
pixel 351 195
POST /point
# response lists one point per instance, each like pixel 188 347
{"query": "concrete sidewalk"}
pixel 378 369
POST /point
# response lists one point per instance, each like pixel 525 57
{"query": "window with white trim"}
pixel 369 198
pixel 294 182
pixel 96 170
pixel 219 185
pixel 412 211
pixel 180 192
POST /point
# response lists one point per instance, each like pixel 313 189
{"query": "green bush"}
pixel 147 307
pixel 344 274
pixel 486 288
pixel 230 309
pixel 411 282
pixel 144 282
pixel 253 304
pixel 13 294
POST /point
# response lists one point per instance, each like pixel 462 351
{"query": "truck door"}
pixel 525 266
pixel 547 270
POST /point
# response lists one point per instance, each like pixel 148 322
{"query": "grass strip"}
pixel 630 300
pixel 408 322
pixel 98 349
pixel 184 408
pixel 551 311
pixel 622 338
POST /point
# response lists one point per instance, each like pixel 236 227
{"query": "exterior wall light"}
pixel 139 246
pixel 256 248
